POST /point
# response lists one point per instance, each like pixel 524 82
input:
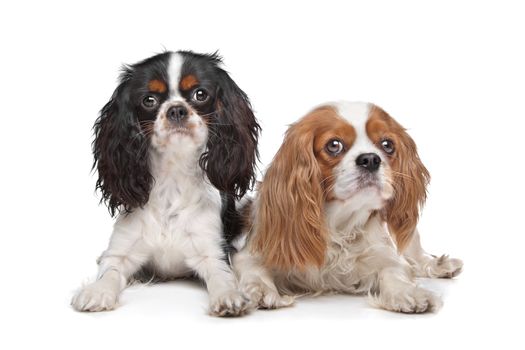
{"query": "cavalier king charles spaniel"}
pixel 337 212
pixel 174 147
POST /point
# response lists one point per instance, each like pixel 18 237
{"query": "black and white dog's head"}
pixel 176 103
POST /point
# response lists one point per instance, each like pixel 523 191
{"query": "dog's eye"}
pixel 388 146
pixel 334 147
pixel 200 95
pixel 150 102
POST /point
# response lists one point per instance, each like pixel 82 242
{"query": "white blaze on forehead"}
pixel 174 71
pixel 347 182
pixel 357 114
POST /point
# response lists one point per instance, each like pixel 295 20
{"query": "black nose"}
pixel 369 161
pixel 177 113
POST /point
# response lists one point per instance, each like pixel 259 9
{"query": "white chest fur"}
pixel 353 232
pixel 182 216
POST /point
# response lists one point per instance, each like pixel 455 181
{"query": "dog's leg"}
pixel 394 287
pixel 427 265
pixel 205 256
pixel 398 292
pixel 390 279
pixel 126 253
pixel 257 283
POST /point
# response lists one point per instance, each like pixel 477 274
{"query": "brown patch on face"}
pixel 328 125
pixel 289 228
pixel 188 82
pixel 409 176
pixel 156 85
pixel 376 127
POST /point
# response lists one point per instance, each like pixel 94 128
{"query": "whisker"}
pixel 328 178
pixel 213 123
pixel 328 189
pixel 396 173
pixel 208 114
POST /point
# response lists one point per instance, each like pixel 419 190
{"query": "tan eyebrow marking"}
pixel 375 127
pixel 156 85
pixel 188 82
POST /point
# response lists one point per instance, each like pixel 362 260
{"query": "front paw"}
pixel 410 300
pixel 229 304
pixel 444 267
pixel 95 297
pixel 263 297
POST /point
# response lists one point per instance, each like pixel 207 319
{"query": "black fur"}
pixel 121 146
pixel 232 145
pixel 231 218
pixel 231 156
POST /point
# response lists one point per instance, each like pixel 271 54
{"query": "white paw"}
pixel 410 300
pixel 263 297
pixel 95 297
pixel 444 267
pixel 229 304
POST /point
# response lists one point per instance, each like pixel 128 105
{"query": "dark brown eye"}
pixel 334 147
pixel 200 95
pixel 388 146
pixel 150 102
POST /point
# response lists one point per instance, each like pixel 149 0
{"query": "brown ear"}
pixel 410 179
pixel 289 226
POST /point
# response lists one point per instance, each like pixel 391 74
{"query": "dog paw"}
pixel 411 300
pixel 229 304
pixel 444 267
pixel 94 297
pixel 263 297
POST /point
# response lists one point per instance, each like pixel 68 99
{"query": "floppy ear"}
pixel 121 153
pixel 231 155
pixel 289 223
pixel 410 180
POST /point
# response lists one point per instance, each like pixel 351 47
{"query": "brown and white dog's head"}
pixel 338 153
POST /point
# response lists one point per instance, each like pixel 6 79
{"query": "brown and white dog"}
pixel 337 212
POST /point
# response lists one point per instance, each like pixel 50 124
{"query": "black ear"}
pixel 121 153
pixel 231 155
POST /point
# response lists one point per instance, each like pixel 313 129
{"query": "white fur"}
pixel 361 257
pixel 178 232
pixel 174 69
pixel 427 265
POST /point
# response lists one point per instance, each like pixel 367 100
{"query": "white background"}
pixel 453 73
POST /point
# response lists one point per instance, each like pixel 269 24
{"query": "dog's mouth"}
pixel 368 180
pixel 376 183
pixel 180 130
pixel 350 187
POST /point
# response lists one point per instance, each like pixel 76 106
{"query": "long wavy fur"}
pixel 121 153
pixel 231 156
pixel 290 232
pixel 410 180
